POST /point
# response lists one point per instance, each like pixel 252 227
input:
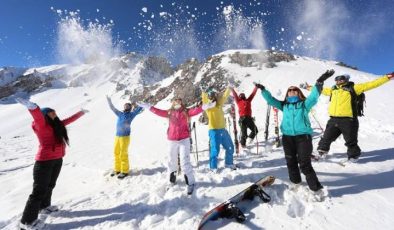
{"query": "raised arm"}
pixel 235 95
pixel 271 100
pixel 313 97
pixel 194 111
pixel 204 98
pixel 34 110
pixel 224 97
pixel 159 112
pixel 73 118
pixel 360 88
pixel 250 98
pixel 111 106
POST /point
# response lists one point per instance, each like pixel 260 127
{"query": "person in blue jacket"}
pixel 296 129
pixel 122 139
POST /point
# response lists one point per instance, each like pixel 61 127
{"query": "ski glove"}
pixel 29 105
pixel 144 105
pixel 390 75
pixel 260 86
pixel 325 76
pixel 208 105
pixel 84 110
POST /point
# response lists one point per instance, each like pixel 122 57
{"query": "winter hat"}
pixel 212 93
pixel 344 77
pixel 46 110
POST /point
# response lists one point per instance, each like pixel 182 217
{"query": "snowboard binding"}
pixel 255 190
pixel 232 211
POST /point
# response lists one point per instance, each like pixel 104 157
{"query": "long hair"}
pixel 300 94
pixel 183 107
pixel 59 130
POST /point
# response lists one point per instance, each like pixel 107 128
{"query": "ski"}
pixel 233 116
pixel 276 121
pixel 267 122
pixel 229 209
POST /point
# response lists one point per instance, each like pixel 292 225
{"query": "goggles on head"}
pixel 344 77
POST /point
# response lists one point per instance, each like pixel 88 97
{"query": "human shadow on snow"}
pixel 150 171
pixel 126 213
pixel 355 183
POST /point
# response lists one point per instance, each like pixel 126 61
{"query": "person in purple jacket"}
pixel 178 134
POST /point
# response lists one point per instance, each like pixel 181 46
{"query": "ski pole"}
pixel 317 121
pixel 195 140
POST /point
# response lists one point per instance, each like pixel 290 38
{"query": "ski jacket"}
pixel 124 120
pixel 49 148
pixel 244 106
pixel 341 100
pixel 295 115
pixel 215 115
pixel 178 128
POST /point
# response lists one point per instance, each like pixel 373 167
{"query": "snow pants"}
pixel 181 147
pixel 121 155
pixel 246 122
pixel 45 174
pixel 219 137
pixel 298 150
pixel 346 126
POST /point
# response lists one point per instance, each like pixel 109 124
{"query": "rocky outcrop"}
pixel 346 65
pixel 155 69
pixel 263 58
pixel 26 83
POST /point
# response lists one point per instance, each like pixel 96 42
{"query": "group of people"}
pixel 295 126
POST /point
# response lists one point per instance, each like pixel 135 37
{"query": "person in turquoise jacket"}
pixel 296 129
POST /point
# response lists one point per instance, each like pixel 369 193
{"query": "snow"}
pixel 359 195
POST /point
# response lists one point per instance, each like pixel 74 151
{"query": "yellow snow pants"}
pixel 121 163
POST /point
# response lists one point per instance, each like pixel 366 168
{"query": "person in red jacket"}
pixel 245 115
pixel 52 136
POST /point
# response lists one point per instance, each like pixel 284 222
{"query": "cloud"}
pixel 331 26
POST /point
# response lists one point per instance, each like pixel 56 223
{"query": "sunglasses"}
pixel 292 89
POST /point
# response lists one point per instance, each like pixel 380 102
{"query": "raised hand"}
pixel 325 76
pixel 84 110
pixel 208 105
pixel 390 75
pixel 144 105
pixel 28 104
pixel 260 86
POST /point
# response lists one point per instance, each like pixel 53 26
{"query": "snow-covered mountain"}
pixel 359 194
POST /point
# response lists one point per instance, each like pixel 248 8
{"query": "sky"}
pixel 37 33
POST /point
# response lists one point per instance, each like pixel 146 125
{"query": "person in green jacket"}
pixel 297 130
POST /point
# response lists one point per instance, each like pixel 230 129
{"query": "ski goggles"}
pixel 344 77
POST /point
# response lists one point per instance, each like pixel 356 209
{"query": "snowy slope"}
pixel 359 194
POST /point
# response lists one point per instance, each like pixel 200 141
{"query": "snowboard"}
pixel 229 209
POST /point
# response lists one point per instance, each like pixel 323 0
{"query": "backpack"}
pixel 358 101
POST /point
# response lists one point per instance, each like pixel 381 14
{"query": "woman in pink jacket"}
pixel 52 136
pixel 178 134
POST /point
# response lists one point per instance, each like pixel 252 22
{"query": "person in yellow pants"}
pixel 122 139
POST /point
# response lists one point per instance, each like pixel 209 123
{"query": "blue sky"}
pixel 359 33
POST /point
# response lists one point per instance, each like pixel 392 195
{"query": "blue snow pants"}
pixel 219 137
